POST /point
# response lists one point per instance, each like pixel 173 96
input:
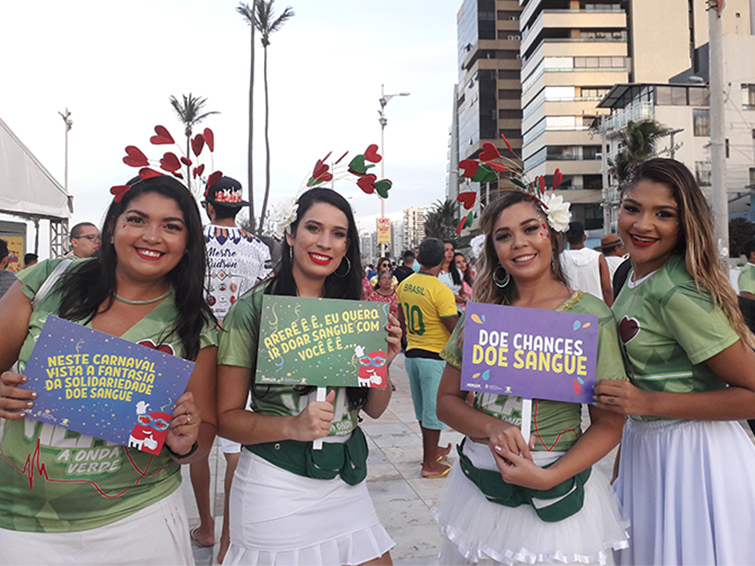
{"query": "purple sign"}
pixel 530 353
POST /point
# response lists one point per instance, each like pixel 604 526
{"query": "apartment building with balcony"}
pixel 488 95
pixel 414 227
pixel 573 52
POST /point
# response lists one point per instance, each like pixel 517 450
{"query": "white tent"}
pixel 29 191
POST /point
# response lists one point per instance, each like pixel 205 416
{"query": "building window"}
pixel 511 75
pixel 751 186
pixel 702 172
pixel 593 217
pixel 748 97
pixel 701 122
pixel 509 114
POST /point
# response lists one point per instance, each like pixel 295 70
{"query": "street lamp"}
pixel 384 98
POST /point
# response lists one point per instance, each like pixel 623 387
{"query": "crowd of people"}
pixel 675 372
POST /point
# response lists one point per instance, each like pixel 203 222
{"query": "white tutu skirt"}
pixel 479 531
pixel 688 488
pixel 280 518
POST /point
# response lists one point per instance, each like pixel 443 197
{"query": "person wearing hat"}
pixel 613 250
pixel 237 261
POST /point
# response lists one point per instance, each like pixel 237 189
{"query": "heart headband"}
pixel 170 162
pixel 357 171
pixel 486 169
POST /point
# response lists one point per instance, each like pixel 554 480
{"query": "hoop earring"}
pixel 501 282
pixel 348 269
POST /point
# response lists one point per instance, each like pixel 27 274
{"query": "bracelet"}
pixel 194 448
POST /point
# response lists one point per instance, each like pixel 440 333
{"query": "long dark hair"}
pixel 466 276
pixel 91 283
pixel 455 275
pixel 337 285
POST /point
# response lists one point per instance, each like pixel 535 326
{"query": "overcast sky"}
pixel 114 65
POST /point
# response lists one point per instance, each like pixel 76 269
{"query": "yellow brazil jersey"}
pixel 424 301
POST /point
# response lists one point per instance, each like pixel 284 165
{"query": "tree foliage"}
pixel 741 231
pixel 639 144
pixel 441 221
pixel 190 112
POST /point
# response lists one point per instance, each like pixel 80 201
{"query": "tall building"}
pixel 573 52
pixel 414 227
pixel 487 97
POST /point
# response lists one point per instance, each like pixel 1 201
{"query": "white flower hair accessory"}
pixel 285 214
pixel 557 211
pixel 477 244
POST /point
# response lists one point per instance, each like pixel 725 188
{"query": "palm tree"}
pixel 190 113
pixel 267 24
pixel 639 144
pixel 248 14
pixel 441 221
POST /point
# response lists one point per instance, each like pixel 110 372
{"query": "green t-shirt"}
pixel 669 329
pixel 239 342
pixel 425 300
pixel 555 424
pixel 56 480
pixel 746 280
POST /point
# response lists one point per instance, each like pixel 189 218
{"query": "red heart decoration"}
pixel 340 158
pixel 500 167
pixel 198 171
pixel 214 178
pixel 170 162
pixel 197 144
pixel 135 157
pixel 320 169
pixel 372 155
pixel 177 174
pixel 467 199
pixel 628 329
pixel 507 143
pixel 209 137
pixel 163 136
pixel 489 152
pixel 470 167
pixel 185 161
pixel 460 226
pixel 557 178
pixel 147 173
pixel 167 348
pixel 119 191
pixel 367 183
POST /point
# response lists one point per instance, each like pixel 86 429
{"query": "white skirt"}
pixel 280 518
pixel 158 534
pixel 479 531
pixel 689 489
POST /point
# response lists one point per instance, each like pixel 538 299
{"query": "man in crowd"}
pixel 613 250
pixel 746 281
pixel 6 277
pixel 427 313
pixel 406 269
pixel 585 269
pixel 237 262
pixel 85 239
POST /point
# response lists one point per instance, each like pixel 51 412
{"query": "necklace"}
pixel 147 302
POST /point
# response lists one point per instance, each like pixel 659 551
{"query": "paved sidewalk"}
pixel 402 497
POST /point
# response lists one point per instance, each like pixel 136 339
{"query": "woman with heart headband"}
pixel 685 473
pixel 146 286
pixel 283 511
pixel 566 510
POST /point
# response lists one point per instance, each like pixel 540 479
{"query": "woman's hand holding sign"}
pixel 14 401
pixel 184 426
pixel 314 421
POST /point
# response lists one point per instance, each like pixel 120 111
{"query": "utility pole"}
pixel 67 119
pixel 719 201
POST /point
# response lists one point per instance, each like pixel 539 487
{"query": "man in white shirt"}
pixel 613 250
pixel 585 269
pixel 237 261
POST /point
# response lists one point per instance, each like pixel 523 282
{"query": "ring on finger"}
pixel 612 400
pixel 188 418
